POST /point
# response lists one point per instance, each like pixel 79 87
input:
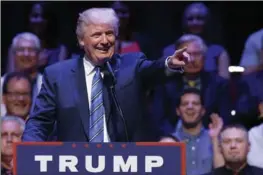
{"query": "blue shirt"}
pixel 199 151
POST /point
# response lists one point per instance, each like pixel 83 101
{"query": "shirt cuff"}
pixel 169 70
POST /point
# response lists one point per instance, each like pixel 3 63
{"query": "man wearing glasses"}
pixel 17 94
pixel 26 47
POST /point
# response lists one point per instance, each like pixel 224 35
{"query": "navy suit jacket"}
pixel 215 95
pixel 250 94
pixel 63 99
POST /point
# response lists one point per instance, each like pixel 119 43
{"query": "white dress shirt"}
pixel 89 74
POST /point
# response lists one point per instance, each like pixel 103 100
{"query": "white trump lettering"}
pixel 151 162
pixel 43 161
pixel 99 168
pixel 120 166
pixel 68 161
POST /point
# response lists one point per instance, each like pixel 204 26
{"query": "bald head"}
pixel 234 143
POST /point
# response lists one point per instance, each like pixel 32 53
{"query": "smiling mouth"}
pixel 20 105
pixel 191 114
pixel 104 49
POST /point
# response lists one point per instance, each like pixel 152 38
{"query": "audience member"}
pixel 169 138
pixel 42 22
pixel 26 47
pixel 252 57
pixel 256 148
pixel 11 131
pixel 214 89
pixel 124 42
pixel 199 159
pixel 250 99
pixel 234 144
pixel 195 21
pixel 17 94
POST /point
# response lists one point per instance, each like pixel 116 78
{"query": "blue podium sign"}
pixel 55 158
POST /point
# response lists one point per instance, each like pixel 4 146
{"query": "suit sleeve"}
pixel 156 72
pixel 41 121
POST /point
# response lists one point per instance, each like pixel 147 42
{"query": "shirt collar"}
pixel 88 66
pixel 183 136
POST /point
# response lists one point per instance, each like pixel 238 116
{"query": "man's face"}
pixel 18 97
pixel 190 110
pixel 26 55
pixel 10 132
pixel 195 20
pixel 234 145
pixel 195 50
pixel 98 42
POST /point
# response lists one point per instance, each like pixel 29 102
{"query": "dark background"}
pixel 156 24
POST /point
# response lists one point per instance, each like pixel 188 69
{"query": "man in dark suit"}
pixel 214 89
pixel 79 94
pixel 250 99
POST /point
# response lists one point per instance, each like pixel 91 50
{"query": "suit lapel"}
pixel 81 94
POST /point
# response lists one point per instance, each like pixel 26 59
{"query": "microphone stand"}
pixel 112 84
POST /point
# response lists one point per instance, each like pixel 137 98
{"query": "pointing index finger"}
pixel 181 50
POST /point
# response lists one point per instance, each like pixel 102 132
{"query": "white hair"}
pixel 26 36
pixel 191 38
pixel 20 121
pixel 97 16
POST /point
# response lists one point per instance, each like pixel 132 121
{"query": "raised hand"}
pixel 216 125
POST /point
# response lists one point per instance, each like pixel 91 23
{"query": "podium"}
pixel 65 158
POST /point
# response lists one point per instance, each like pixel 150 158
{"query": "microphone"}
pixel 110 71
pixel 113 82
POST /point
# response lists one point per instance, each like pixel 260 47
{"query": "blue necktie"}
pixel 97 110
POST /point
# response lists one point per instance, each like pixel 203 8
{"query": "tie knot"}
pixel 97 69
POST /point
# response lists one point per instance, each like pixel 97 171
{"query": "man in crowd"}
pixel 197 21
pixel 99 97
pixel 26 48
pixel 249 104
pixel 199 152
pixel 17 94
pixel 214 89
pixel 234 144
pixel 11 131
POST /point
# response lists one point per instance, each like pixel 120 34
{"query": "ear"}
pixel 203 111
pixel 177 112
pixel 81 42
pixel 4 99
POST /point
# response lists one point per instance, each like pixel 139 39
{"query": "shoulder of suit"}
pixel 132 55
pixel 131 58
pixel 62 65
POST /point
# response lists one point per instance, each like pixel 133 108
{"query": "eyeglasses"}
pixel 29 51
pixel 196 54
